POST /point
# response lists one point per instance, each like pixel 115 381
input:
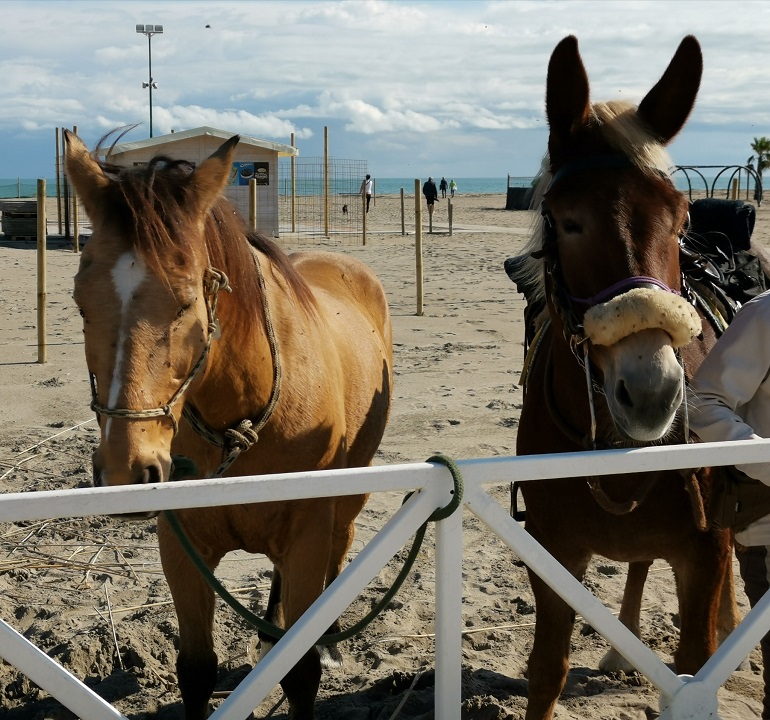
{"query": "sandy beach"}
pixel 91 592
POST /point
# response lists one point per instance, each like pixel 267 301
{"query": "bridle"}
pixel 213 281
pixel 565 304
pixel 241 436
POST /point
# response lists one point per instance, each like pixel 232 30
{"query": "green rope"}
pixel 330 638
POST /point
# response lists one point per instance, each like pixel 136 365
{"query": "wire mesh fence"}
pixel 322 204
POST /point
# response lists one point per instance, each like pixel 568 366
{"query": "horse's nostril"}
pixel 622 395
pixel 151 475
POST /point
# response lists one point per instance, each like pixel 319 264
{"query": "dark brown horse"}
pixel 620 339
pixel 202 338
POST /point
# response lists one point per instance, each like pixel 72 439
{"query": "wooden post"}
pixel 293 190
pixel 734 189
pixel 42 233
pixel 449 211
pixel 363 216
pixel 418 245
pixel 58 177
pixel 326 181
pixel 75 223
pixel 430 219
pixel 403 225
pixel 253 204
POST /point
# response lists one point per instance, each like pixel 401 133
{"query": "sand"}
pixel 456 391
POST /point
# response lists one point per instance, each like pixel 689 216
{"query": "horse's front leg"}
pixel 549 660
pixel 303 569
pixel 630 611
pixel 194 604
pixel 346 511
pixel 700 577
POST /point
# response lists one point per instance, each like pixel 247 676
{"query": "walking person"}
pixel 452 187
pixel 431 193
pixel 366 189
pixel 731 401
pixel 443 186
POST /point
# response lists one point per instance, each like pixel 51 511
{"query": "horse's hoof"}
pixel 613 661
pixel 331 657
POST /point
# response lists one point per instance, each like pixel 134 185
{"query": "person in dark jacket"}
pixel 443 185
pixel 431 192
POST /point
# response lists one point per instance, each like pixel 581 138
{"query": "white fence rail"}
pixel 685 698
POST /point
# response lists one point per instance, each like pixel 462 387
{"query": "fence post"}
pixel 363 217
pixel 449 212
pixel 449 616
pixel 403 225
pixel 42 232
pixel 418 243
pixel 253 204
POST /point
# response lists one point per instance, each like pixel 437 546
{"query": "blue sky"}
pixel 414 88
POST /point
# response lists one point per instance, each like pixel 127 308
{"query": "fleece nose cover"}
pixel 642 309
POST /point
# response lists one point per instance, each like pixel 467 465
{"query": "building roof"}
pixel 162 140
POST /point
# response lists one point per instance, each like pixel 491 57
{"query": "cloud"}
pixel 386 74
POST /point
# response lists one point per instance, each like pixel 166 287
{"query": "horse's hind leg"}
pixel 194 604
pixel 630 611
pixel 729 615
pixel 273 613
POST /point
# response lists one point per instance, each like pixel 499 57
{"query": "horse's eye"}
pixel 183 310
pixel 572 227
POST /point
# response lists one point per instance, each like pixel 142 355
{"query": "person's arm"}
pixel 733 377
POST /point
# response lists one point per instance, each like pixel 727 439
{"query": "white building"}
pixel 253 158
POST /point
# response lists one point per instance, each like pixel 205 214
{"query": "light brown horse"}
pixel 300 345
pixel 622 337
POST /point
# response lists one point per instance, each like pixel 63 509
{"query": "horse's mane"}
pixel 617 124
pixel 150 203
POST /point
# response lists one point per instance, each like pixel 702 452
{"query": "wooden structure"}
pixel 253 158
pixel 19 219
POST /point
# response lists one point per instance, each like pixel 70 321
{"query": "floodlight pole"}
pixel 149 31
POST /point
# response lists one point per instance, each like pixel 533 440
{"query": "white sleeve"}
pixel 728 387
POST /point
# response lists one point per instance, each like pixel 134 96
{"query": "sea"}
pixel 26 188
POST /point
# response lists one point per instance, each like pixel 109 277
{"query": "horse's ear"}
pixel 667 106
pixel 85 174
pixel 567 104
pixel 212 174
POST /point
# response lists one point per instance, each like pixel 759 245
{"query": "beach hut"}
pixel 254 158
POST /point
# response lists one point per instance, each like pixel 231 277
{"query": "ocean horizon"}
pixel 27 188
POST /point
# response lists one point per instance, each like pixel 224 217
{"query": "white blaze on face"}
pixel 127 275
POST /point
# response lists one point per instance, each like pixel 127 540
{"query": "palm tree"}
pixel 761 146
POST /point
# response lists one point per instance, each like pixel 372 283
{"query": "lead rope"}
pixel 329 638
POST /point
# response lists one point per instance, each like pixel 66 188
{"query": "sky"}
pixel 414 88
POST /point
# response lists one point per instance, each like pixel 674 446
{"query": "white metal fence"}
pixel 685 698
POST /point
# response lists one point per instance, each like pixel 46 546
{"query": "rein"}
pixel 276 632
pixel 244 434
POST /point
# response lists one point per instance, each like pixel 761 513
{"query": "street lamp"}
pixel 149 31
